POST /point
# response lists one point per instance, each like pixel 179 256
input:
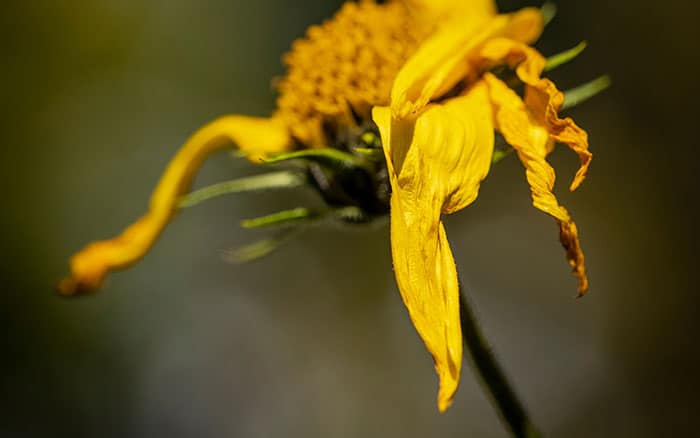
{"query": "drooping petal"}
pixel 530 138
pixel 541 97
pixel 544 98
pixel 254 136
pixel 442 60
pixel 436 162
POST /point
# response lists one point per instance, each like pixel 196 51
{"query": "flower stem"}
pixel 493 379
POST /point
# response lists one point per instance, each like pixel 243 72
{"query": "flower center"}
pixel 344 67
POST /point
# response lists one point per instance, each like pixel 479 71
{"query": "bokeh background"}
pixel 314 341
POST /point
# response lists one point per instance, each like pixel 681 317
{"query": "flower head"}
pixel 417 79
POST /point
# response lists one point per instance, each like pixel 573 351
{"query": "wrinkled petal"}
pixel 541 96
pixel 545 99
pixel 442 60
pixel 254 136
pixel 436 162
pixel 530 137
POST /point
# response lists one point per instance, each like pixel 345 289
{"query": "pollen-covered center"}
pixel 344 67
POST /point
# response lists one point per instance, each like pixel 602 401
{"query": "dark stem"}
pixel 502 395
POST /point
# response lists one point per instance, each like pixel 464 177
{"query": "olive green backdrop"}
pixel 314 341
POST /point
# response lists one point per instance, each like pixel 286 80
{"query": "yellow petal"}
pixel 442 60
pixel 254 136
pixel 436 162
pixel 529 136
pixel 541 96
pixel 448 8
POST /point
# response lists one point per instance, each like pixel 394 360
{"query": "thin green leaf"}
pixel 584 92
pixel 275 180
pixel 555 61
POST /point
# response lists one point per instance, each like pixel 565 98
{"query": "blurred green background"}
pixel 314 341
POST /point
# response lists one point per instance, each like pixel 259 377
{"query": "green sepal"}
pixel 584 92
pixel 499 154
pixel 261 248
pixel 369 153
pixel 330 157
pixel 285 217
pixel 304 216
pixel 371 139
pixel 275 180
pixel 549 11
pixel 555 61
pixel 298 220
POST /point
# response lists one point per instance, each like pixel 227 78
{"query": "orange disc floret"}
pixel 344 67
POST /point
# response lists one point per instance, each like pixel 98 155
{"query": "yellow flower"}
pixel 421 71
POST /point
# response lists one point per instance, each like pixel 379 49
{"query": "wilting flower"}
pixel 417 79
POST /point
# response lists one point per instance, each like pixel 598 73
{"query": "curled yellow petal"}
pixel 436 162
pixel 254 136
pixel 541 97
pixel 545 100
pixel 525 131
pixel 443 59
